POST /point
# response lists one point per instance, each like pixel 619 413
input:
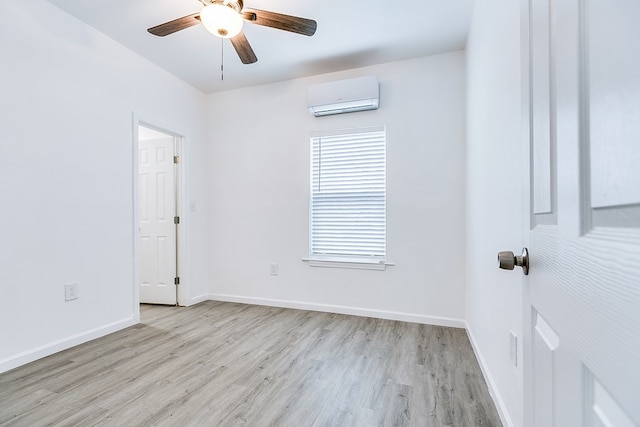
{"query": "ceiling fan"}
pixel 224 18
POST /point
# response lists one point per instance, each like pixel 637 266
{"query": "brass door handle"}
pixel 507 260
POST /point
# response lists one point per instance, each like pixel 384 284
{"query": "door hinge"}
pixel 176 220
pixel 176 159
pixel 176 281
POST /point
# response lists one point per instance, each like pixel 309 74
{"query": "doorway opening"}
pixel 158 215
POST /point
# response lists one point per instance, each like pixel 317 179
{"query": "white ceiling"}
pixel 350 34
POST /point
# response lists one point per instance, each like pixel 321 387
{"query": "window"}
pixel 348 197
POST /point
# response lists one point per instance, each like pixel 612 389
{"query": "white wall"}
pixel 494 185
pixel 259 192
pixel 66 177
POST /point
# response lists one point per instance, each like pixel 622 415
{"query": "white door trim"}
pixel 527 191
pixel 183 288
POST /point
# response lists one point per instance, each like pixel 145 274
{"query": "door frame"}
pixel 527 202
pixel 179 143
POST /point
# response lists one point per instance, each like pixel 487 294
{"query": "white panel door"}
pixel 157 228
pixel 581 99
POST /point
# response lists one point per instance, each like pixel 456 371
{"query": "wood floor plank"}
pixel 223 364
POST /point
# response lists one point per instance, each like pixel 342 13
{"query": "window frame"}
pixel 370 262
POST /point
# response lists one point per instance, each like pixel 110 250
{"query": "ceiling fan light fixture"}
pixel 221 21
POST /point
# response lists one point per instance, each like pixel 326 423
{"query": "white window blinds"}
pixel 348 195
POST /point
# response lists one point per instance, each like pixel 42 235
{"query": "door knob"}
pixel 507 260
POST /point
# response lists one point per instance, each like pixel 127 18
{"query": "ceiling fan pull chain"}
pixel 221 59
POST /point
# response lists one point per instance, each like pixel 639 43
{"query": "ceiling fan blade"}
pixel 243 48
pixel 280 21
pixel 175 25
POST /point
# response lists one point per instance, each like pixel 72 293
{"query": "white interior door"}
pixel 582 296
pixel 157 227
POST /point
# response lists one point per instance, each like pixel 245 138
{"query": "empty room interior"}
pixel 298 225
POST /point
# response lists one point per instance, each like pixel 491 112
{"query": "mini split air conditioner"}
pixel 344 96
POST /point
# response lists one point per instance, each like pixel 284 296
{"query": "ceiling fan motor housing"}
pixel 236 5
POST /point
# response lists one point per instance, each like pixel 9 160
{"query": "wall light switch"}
pixel 274 269
pixel 71 291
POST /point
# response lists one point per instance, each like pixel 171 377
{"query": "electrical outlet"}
pixel 513 348
pixel 71 291
pixel 274 269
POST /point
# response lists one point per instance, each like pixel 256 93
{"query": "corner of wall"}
pixel 494 391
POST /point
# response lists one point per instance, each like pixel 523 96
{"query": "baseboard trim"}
pixel 198 300
pixel 493 389
pixel 57 346
pixel 340 309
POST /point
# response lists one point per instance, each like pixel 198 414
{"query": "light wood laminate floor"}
pixel 223 364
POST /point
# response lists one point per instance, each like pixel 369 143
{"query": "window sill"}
pixel 379 265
